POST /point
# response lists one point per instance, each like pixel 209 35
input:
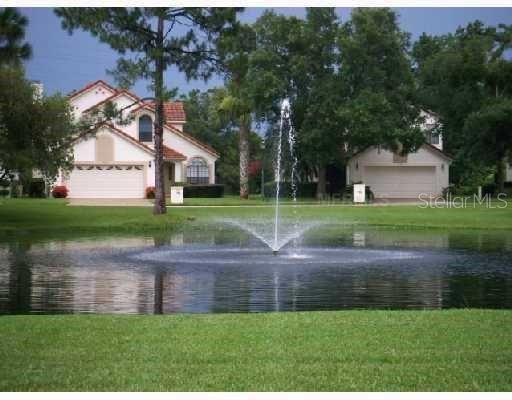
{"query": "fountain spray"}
pixel 285 123
pixel 279 234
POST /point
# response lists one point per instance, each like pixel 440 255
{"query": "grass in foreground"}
pixel 456 350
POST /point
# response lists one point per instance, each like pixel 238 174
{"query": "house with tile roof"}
pixel 118 161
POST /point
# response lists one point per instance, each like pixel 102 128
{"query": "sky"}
pixel 64 63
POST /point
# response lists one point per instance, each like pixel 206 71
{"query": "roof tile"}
pixel 171 154
pixel 174 111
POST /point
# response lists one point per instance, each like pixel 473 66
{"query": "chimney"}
pixel 38 90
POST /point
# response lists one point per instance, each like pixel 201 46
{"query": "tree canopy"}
pixel 380 107
pixel 35 133
pixel 466 79
pixel 13 49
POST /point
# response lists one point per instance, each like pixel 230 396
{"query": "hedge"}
pixel 36 188
pixel 203 190
pixel 304 190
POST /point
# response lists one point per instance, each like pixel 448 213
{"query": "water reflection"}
pixel 225 270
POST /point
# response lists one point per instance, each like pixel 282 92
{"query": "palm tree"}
pixel 12 34
pixel 237 108
pixel 234 53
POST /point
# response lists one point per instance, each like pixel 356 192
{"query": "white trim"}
pixel 78 95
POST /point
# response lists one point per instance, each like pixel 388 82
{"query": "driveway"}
pixel 110 202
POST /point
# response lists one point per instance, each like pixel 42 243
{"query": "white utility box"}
pixel 359 193
pixel 176 194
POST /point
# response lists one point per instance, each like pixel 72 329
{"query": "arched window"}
pixel 145 129
pixel 197 171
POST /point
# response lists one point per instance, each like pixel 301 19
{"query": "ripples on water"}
pixel 221 270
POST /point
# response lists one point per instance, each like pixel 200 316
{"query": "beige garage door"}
pixel 113 181
pixel 401 181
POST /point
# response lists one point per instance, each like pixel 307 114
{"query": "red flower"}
pixel 254 167
pixel 150 192
pixel 60 192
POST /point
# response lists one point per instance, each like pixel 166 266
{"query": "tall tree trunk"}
pixel 501 171
pixel 159 206
pixel 243 146
pixel 321 186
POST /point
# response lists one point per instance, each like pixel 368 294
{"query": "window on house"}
pixel 434 138
pixel 145 129
pixel 197 171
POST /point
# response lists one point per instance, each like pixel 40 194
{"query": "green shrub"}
pixel 304 190
pixel 254 184
pixel 36 188
pixel 489 189
pixel 203 190
pixel 16 189
pixel 307 189
pixel 270 189
pixel 4 192
pixel 461 190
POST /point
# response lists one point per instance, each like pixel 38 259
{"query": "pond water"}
pixel 224 269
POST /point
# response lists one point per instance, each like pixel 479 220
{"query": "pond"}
pixel 220 268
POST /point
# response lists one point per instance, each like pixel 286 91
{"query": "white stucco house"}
pixel 118 162
pixel 392 176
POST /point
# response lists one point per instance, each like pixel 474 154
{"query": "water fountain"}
pixel 285 124
pixel 284 172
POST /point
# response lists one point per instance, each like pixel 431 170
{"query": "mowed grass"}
pixel 30 216
pixel 53 217
pixel 253 200
pixel 455 350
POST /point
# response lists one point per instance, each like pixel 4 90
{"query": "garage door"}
pixel 113 181
pixel 401 181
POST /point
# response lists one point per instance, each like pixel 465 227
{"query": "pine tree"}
pixel 12 33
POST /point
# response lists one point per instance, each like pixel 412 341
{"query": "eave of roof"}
pixel 436 150
pixel 192 139
pixel 110 98
pixel 90 86
pixel 184 135
pixel 429 146
pixel 171 154
pixel 129 138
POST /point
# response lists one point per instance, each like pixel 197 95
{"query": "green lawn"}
pixel 254 200
pixel 464 350
pixel 52 217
